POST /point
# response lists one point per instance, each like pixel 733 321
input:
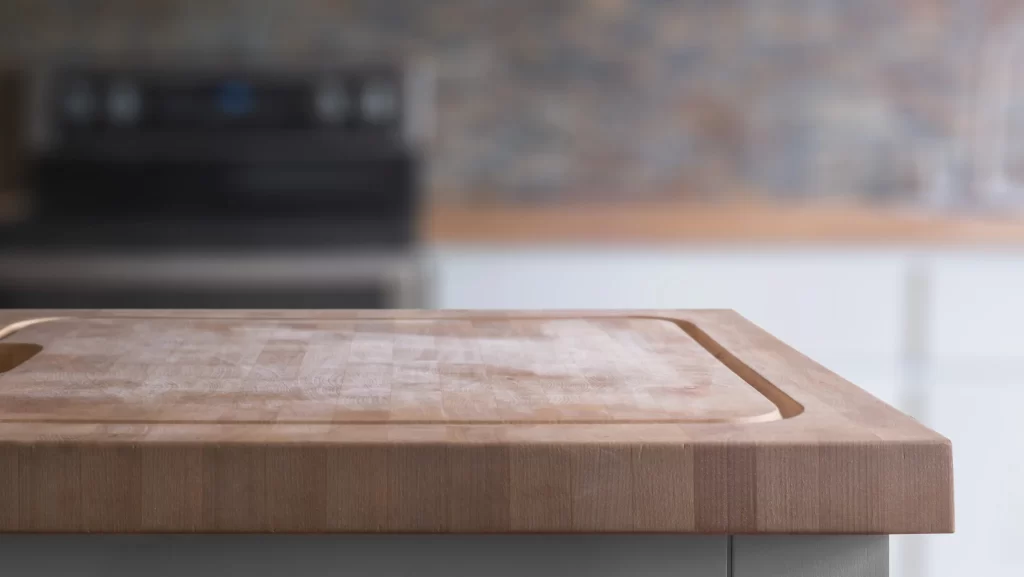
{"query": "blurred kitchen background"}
pixel 848 174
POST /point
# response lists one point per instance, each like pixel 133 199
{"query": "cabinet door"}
pixel 978 406
pixel 821 302
pixel 977 305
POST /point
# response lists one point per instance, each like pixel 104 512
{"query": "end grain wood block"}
pixel 370 421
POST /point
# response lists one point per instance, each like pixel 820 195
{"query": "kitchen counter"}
pixel 625 423
pixel 728 223
pixel 493 422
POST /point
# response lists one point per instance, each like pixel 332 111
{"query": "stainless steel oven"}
pixel 177 187
pixel 307 280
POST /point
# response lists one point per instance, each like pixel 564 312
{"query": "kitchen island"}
pixel 650 442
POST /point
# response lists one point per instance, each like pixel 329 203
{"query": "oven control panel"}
pixel 353 100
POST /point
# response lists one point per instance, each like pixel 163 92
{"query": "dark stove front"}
pixel 256 188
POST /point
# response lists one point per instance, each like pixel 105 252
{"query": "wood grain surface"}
pixel 374 371
pixel 401 421
pixel 729 223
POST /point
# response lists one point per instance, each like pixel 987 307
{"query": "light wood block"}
pixel 401 421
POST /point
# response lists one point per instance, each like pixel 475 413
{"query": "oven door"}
pixel 176 281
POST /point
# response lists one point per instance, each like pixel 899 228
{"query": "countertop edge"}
pixel 719 224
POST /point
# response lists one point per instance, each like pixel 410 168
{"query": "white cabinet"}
pixel 978 406
pixel 849 310
pixel 977 304
pixel 974 391
pixel 823 302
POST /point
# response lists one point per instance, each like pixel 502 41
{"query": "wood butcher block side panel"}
pixel 49 491
pixel 417 497
pixel 663 488
pixel 10 491
pixel 855 487
pixel 358 495
pixel 602 489
pixel 479 489
pixel 234 489
pixel 471 489
pixel 112 477
pixel 300 489
pixel 788 480
pixel 833 459
pixel 725 492
pixel 323 488
pixel 922 500
pixel 540 496
pixel 125 488
pixel 882 488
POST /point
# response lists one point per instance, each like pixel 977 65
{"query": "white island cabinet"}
pixel 934 332
pixel 972 386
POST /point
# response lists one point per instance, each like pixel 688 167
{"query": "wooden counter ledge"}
pixel 446 422
pixel 710 223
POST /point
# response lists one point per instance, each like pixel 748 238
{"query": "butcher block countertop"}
pixel 732 223
pixel 446 421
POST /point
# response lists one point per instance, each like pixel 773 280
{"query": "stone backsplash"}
pixel 566 100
